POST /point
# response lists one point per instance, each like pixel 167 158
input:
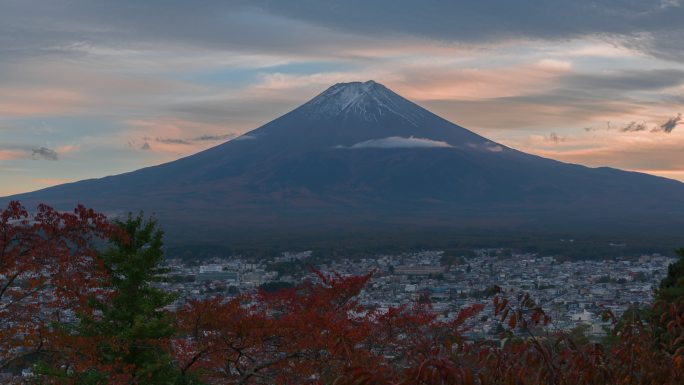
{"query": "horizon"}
pixel 89 91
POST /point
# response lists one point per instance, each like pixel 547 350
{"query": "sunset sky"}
pixel 94 88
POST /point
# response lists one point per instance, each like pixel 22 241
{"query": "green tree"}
pixel 131 329
pixel 669 294
pixel 672 286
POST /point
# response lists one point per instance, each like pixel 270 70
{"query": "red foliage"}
pixel 48 268
pixel 318 333
pixel 292 336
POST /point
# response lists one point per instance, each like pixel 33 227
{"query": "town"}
pixel 574 294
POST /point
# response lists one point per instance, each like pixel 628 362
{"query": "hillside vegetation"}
pixel 78 305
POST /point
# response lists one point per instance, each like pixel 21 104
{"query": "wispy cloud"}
pixel 214 138
pixel 189 141
pixel 245 137
pixel 398 142
pixel 487 146
pixel 634 127
pixel 45 153
pixel 33 101
pixel 8 154
pixel 638 150
pixel 671 124
pixel 639 126
pixel 171 141
pixel 644 25
pixel 555 138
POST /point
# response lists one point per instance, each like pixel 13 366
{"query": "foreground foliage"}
pixel 316 333
pixel 125 338
pixel 49 267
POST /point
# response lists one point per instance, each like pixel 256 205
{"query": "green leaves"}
pixel 126 339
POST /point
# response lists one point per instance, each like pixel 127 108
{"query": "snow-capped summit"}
pixel 367 101
pixel 351 115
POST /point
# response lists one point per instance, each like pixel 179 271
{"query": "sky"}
pixel 90 88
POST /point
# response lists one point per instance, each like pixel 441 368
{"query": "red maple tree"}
pixel 319 334
pixel 48 269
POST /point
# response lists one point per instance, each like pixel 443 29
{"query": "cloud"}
pixel 170 137
pixel 245 137
pixel 399 142
pixel 214 138
pixel 646 25
pixel 33 101
pixel 31 27
pixel 620 152
pixel 639 150
pixel 437 81
pixel 555 138
pixel 541 93
pixel 8 154
pixel 146 146
pixel 171 141
pixel 487 146
pixel 671 124
pixel 45 153
pixel 202 138
pixel 634 127
pixel 72 28
pixel 626 80
pixel 529 112
pixel 494 147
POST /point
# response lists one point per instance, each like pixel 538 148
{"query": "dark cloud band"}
pixel 653 26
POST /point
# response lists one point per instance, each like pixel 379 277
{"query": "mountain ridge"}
pixel 359 156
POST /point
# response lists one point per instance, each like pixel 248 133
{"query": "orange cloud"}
pixel 430 82
pixel 652 152
pixel 467 84
pixel 423 81
pixel 12 154
pixel 37 102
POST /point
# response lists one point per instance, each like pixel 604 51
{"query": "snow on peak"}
pixel 343 95
pixel 366 100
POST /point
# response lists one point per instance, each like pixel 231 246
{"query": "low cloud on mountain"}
pixel 399 142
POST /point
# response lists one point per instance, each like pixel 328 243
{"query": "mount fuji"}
pixel 359 161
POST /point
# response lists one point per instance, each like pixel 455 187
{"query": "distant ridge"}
pixel 359 161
